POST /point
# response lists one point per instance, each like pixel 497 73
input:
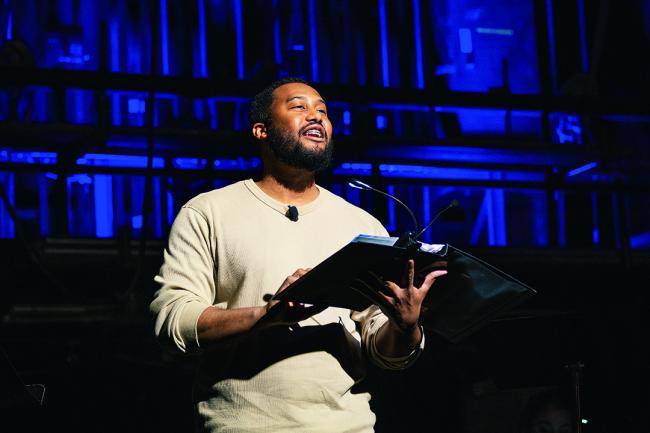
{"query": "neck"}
pixel 288 184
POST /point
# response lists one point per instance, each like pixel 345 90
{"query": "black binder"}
pixel 471 294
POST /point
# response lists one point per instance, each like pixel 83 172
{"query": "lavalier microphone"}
pixel 292 213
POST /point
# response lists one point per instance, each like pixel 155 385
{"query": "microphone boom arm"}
pixel 355 183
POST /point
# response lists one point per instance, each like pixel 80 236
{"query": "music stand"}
pixel 14 394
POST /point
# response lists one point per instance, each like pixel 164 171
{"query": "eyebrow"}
pixel 302 97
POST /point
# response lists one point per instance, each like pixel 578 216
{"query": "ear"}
pixel 259 131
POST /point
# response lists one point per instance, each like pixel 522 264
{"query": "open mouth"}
pixel 314 132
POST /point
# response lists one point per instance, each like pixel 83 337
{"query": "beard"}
pixel 289 150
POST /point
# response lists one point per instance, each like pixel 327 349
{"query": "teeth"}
pixel 314 132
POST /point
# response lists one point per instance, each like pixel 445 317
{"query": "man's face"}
pixel 300 133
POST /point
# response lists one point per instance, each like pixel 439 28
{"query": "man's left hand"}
pixel 406 302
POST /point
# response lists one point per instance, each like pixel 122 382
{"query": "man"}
pixel 268 366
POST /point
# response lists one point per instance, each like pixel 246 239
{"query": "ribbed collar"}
pixel 283 207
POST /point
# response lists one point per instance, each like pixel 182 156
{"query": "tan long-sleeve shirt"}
pixel 228 248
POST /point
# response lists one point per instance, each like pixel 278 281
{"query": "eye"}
pixel 300 107
pixel 322 110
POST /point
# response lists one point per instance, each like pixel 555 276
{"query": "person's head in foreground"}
pixel 548 412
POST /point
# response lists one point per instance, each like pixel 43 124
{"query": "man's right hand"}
pixel 288 313
pixel 216 323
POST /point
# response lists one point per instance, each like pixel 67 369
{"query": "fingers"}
pixel 438 264
pixel 300 272
pixel 437 274
pixel 393 287
pixel 293 278
pixel 428 280
pixel 286 283
pixel 389 299
pixel 409 274
pixel 431 278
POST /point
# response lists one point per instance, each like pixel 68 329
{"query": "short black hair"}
pixel 260 111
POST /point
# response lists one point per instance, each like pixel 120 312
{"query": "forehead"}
pixel 287 92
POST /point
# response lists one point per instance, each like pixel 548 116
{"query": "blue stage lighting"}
pixel 103 194
pixel 347 117
pixel 493 31
pixel 353 168
pixel 417 32
pixel 164 38
pixel 465 38
pixel 7 227
pixel 190 163
pixel 381 122
pixel 121 161
pixel 203 51
pixel 541 158
pixel 640 240
pixel 136 222
pixel 392 221
pixel 136 106
pixel 565 128
pixel 426 172
pixel 582 169
pixel 24 157
pixel 239 29
pixel 9 34
pixel 313 40
pixel 237 164
pixel 383 31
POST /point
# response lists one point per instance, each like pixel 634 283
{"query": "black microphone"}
pixel 292 213
pixel 453 203
pixel 406 240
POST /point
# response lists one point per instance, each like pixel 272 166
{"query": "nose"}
pixel 313 115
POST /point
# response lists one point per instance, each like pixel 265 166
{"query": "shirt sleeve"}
pixel 371 319
pixel 187 281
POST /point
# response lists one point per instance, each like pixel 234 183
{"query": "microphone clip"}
pixel 407 241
